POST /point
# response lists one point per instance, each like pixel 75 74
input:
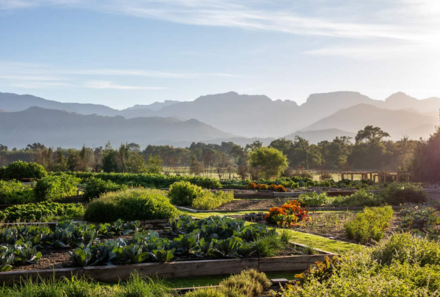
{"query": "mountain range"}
pixel 212 118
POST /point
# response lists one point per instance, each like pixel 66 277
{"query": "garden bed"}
pixel 115 273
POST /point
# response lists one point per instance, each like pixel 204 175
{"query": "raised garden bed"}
pixel 221 254
pixel 172 269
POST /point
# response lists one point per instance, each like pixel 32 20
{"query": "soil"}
pixel 254 204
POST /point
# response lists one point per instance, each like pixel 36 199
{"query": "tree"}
pixel 3 148
pixel 154 164
pixel 371 134
pixel 426 162
pixel 195 166
pixel 271 161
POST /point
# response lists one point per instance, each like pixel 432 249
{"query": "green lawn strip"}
pixel 313 241
pixel 201 281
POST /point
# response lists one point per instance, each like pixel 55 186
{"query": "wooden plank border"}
pixel 115 273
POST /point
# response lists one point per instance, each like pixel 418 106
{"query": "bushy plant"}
pixel 42 211
pixel 359 198
pixel 207 200
pixel 13 192
pixel 369 224
pixel 314 199
pixel 20 170
pixel 403 265
pixel 135 204
pixel 51 188
pixel 95 187
pixel 183 193
pixel 399 193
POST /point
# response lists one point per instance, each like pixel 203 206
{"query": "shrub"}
pixel 52 188
pixel 20 170
pixel 13 192
pixel 183 193
pixel 207 200
pixel 95 187
pixel 369 224
pixel 249 281
pixel 397 193
pixel 313 199
pixel 252 186
pixel 129 205
pixel 359 198
pixel 398 266
pixel 42 211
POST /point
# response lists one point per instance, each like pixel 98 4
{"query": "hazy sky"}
pixel 126 52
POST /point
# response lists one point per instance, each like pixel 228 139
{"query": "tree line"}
pixel 369 150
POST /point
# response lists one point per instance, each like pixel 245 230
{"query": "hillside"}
pixel 66 129
pixel 396 122
pixel 13 102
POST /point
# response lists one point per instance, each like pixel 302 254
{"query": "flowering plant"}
pixel 288 215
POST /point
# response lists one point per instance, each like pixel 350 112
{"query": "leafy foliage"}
pixel 13 192
pixel 23 171
pixel 207 200
pixel 183 193
pixel 41 211
pixel 95 187
pixel 135 204
pixel 51 188
pixel 399 193
pixel 149 180
pixel 369 224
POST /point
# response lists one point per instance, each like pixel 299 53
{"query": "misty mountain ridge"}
pixel 68 129
pixel 259 116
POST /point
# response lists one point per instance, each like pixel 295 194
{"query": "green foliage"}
pixel 51 188
pixel 270 160
pixel 135 286
pixel 369 224
pixel 421 219
pixel 149 180
pixel 13 192
pixel 208 200
pixel 183 193
pixel 20 170
pixel 399 193
pixel 426 160
pixel 359 198
pixel 95 187
pixel 135 204
pixel 42 211
pixel 248 283
pixel 313 199
pixel 403 265
pixel 268 246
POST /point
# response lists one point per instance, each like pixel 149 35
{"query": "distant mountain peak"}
pixel 400 97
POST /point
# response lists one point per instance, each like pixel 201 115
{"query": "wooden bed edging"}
pixel 115 273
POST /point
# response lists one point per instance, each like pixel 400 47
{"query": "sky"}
pixel 126 52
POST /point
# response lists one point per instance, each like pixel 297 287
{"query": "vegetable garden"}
pixel 131 228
